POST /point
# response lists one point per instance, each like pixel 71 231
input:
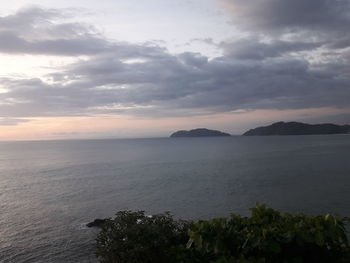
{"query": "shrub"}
pixel 133 237
pixel 270 236
pixel 267 236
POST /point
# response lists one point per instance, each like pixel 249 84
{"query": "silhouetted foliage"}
pixel 266 236
pixel 133 237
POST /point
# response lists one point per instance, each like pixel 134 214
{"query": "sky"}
pixel 145 68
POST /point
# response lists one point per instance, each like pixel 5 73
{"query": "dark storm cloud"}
pixel 145 79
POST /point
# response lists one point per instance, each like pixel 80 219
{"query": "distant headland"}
pixel 298 128
pixel 201 132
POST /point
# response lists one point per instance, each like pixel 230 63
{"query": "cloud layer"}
pixel 286 15
pixel 272 67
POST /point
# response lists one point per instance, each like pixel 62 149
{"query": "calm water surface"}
pixel 50 190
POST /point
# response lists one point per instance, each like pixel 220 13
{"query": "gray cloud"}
pixel 10 43
pixel 46 31
pixel 145 79
pixel 11 121
pixel 185 85
pixel 253 48
pixel 40 31
pixel 290 15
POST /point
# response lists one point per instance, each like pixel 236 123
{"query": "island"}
pixel 298 128
pixel 200 132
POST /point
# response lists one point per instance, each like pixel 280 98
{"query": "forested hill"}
pixel 298 128
pixel 201 132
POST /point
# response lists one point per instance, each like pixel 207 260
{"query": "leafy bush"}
pixel 268 236
pixel 133 237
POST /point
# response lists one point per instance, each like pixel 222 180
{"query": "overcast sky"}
pixel 144 68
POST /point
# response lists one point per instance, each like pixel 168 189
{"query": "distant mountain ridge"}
pixel 200 132
pixel 298 128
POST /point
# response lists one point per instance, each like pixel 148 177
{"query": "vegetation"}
pixel 133 237
pixel 201 132
pixel 266 236
pixel 298 128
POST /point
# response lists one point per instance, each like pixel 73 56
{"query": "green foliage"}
pixel 133 237
pixel 267 236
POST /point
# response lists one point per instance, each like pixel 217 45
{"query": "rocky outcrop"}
pixel 97 222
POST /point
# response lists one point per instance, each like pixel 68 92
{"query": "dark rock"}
pixel 198 133
pixel 298 128
pixel 97 223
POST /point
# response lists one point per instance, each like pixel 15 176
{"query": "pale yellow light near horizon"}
pixel 122 126
pixel 139 22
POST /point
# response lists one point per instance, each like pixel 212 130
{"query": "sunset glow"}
pixel 144 69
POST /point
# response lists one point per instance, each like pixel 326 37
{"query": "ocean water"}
pixel 49 190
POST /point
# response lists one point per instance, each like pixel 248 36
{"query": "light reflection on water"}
pixel 48 190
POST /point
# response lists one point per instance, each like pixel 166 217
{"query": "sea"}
pixel 49 190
